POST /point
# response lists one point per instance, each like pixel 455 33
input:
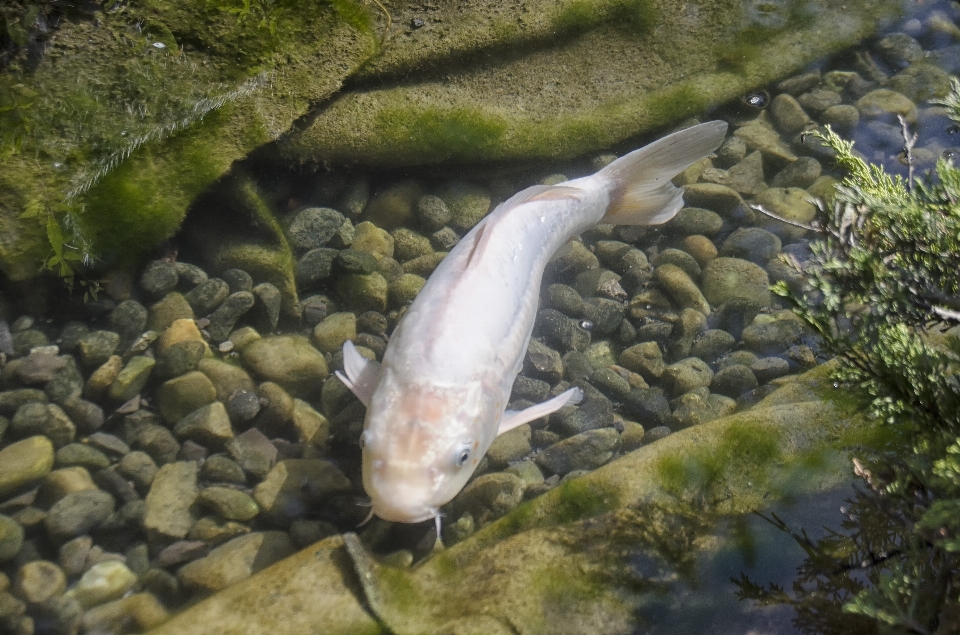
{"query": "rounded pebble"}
pixel 229 503
pixel 39 581
pixel 103 582
pixel 733 380
pixel 243 406
pixel 11 538
pixel 587 450
pixel 159 278
pixel 432 212
pixel 78 513
pixel 313 227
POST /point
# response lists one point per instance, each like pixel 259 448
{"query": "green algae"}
pixel 557 96
pixel 118 130
pixel 577 500
pixel 395 587
pixel 639 16
pixel 572 501
pixel 587 556
pixel 675 102
pixel 353 13
pixel 133 204
pixel 579 15
pixel 236 227
pixel 770 20
pixel 558 588
pixel 458 132
pixel 748 446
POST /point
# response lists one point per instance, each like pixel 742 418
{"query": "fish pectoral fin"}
pixel 514 418
pixel 360 374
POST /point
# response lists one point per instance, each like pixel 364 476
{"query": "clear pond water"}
pixel 117 439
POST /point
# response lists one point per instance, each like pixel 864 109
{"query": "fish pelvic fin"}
pixel 360 375
pixel 642 192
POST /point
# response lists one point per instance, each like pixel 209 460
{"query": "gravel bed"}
pixel 181 436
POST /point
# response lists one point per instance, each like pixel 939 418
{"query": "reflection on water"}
pixel 877 568
pixel 749 547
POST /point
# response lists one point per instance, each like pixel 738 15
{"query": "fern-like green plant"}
pixel 885 281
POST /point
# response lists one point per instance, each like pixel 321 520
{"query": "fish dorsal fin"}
pixel 541 193
pixel 531 194
pixel 360 375
pixel 478 239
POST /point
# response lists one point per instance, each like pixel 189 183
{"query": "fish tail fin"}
pixel 642 191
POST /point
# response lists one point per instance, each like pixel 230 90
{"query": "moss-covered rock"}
pixel 113 176
pixel 566 549
pixel 562 96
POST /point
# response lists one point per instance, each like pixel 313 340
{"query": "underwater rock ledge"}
pixel 605 76
pixel 129 117
pixel 521 83
pixel 501 579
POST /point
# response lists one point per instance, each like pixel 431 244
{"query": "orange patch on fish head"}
pixel 425 406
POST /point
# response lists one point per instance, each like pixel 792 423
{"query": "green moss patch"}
pixel 129 117
pixel 639 16
pixel 353 13
pixel 458 132
pixel 747 446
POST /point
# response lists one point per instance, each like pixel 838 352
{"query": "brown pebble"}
pixel 39 581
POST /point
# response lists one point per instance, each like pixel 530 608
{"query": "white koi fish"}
pixel 438 400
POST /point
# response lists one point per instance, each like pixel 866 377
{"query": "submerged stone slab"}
pixel 562 562
pixel 313 591
pixel 539 80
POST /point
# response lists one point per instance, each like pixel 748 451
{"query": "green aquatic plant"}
pixel 88 121
pixel 70 245
pixel 268 14
pixel 266 10
pixel 885 275
pixel 26 24
pixel 16 115
pixel 127 118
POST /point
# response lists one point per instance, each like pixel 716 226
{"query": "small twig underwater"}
pixel 200 109
pixel 909 140
pixel 383 9
pixel 763 210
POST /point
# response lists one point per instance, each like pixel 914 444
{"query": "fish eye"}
pixel 364 438
pixel 463 456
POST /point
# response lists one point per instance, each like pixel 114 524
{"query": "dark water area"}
pixel 751 547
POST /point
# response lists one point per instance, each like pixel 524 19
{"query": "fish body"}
pixel 438 400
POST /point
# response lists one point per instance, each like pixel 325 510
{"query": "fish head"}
pixel 420 446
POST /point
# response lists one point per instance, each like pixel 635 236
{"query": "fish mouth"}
pixel 405 515
pixel 402 492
